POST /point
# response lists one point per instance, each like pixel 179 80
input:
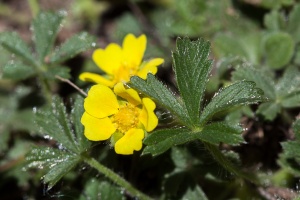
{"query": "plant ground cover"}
pixel 227 100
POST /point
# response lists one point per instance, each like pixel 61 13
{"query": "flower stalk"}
pixel 115 178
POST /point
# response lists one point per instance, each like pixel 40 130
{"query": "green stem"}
pixel 221 159
pixel 34 7
pixel 115 178
pixel 45 89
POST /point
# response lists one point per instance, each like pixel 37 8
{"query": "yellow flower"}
pixel 120 63
pixel 120 115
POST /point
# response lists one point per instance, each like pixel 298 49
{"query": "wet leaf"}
pixel 221 132
pixel 192 68
pixel 76 115
pixel 279 48
pixel 161 140
pixel 12 42
pixel 56 162
pixel 96 189
pixel 17 71
pixel 45 28
pixel 261 78
pixel 161 95
pixel 240 93
pixel 73 46
pixel 54 122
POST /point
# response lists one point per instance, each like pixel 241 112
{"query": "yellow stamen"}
pixel 126 118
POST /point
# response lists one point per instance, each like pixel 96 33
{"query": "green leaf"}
pixel 269 110
pixel 76 115
pixel 221 132
pixel 160 94
pixel 194 193
pixel 12 42
pixel 57 163
pixel 261 78
pixel 192 68
pixel 289 82
pixel 54 123
pixel 279 48
pixel 73 46
pixel 61 71
pixel 45 29
pixel 161 140
pixel 95 189
pixel 274 20
pixel 240 93
pixel 293 23
pixel 17 71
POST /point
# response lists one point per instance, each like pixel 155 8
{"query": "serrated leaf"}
pixel 293 23
pixel 240 93
pixel 194 193
pixel 56 162
pixel 274 20
pixel 161 140
pixel 61 71
pixel 17 71
pixel 161 95
pixel 269 110
pixel 12 42
pixel 221 132
pixel 45 28
pixel 103 190
pixel 76 115
pixel 54 122
pixel 73 46
pixel 191 60
pixel 289 82
pixel 262 80
pixel 61 168
pixel 279 48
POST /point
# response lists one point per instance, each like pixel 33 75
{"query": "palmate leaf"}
pixel 74 45
pixel 45 29
pixel 12 42
pixel 55 123
pixel 192 67
pixel 57 163
pixel 240 93
pixel 161 95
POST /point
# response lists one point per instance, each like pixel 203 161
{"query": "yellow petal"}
pixel 147 116
pixel 101 102
pixel 96 129
pixel 129 94
pixel 95 78
pixel 132 140
pixel 150 67
pixel 109 59
pixel 134 49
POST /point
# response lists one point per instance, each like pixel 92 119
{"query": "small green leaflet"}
pixel 45 29
pixel 192 68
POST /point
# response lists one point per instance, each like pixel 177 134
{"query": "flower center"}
pixel 126 118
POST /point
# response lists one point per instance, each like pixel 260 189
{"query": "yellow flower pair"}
pixel 119 113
